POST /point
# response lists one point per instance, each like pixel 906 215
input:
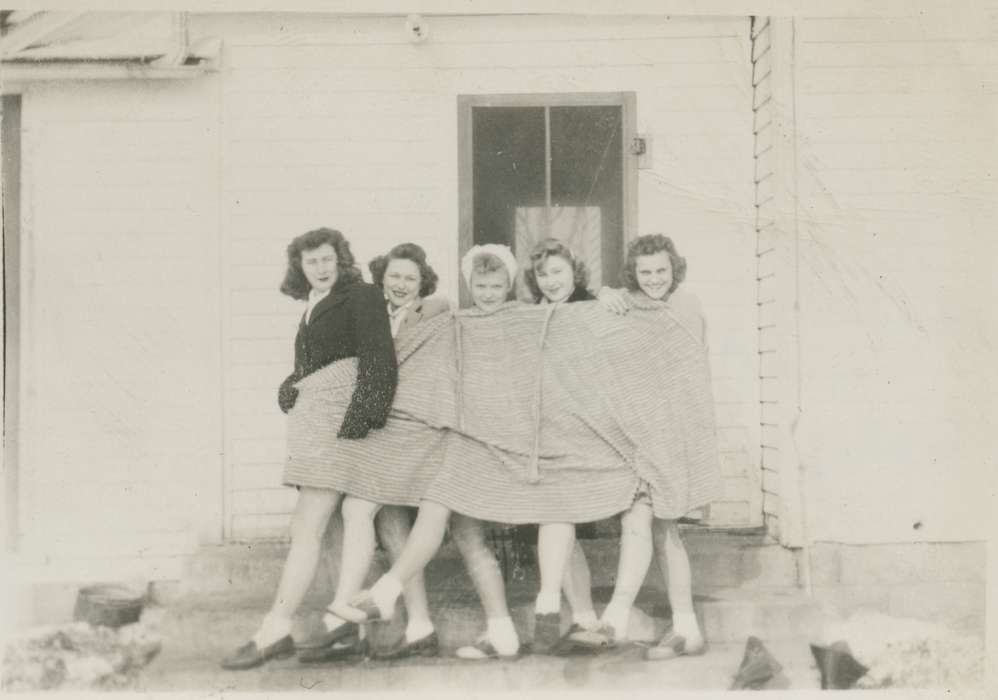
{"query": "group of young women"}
pixel 393 402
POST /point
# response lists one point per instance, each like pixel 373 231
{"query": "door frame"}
pixel 10 147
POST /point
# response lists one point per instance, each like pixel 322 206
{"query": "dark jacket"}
pixel 349 322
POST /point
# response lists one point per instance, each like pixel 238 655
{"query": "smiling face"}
pixel 654 274
pixel 555 278
pixel 319 266
pixel 489 289
pixel 401 282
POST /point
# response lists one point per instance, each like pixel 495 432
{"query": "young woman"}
pixel 344 318
pixel 406 280
pixel 489 272
pixel 652 274
pixel 555 275
pixel 474 477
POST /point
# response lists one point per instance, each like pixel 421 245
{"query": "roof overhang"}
pixel 42 46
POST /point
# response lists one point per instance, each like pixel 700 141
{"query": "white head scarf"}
pixel 502 252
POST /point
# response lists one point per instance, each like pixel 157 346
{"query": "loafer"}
pixel 425 646
pixel 342 648
pixel 328 638
pixel 483 649
pixel 598 638
pixel 672 646
pixel 250 656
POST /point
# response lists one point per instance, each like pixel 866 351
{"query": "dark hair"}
pixel 549 248
pixel 295 285
pixel 649 245
pixel 405 251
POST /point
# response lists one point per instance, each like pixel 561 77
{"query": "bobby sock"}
pixel 586 620
pixel 332 621
pixel 502 634
pixel 418 628
pixel 272 628
pixel 617 615
pixel 548 603
pixel 685 624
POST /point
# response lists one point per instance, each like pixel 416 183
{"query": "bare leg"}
pixel 675 565
pixel 394 527
pixel 423 543
pixel 357 554
pixel 554 547
pixel 469 536
pixel 578 588
pixel 308 524
pixel 635 557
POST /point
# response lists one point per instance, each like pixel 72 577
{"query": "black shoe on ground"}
pixel 341 648
pixel 425 646
pixel 249 656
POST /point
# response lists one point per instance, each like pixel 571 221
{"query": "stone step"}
pixel 727 615
pixel 718 560
pixel 743 586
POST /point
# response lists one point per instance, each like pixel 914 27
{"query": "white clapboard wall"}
pixel 342 122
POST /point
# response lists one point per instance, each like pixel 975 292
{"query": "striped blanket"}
pixel 554 413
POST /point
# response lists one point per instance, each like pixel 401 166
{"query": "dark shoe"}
pixel 249 656
pixel 483 649
pixel 341 648
pixel 597 638
pixel 547 632
pixel 426 646
pixel 326 639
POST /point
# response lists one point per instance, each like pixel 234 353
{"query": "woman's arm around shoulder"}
pixel 434 306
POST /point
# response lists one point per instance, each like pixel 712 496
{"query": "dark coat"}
pixel 349 322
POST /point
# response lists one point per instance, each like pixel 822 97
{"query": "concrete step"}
pixel 742 584
pixel 719 561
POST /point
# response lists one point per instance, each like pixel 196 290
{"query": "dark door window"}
pixel 556 168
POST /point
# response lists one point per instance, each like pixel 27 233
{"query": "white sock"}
pixel 272 628
pixel 685 624
pixel 617 615
pixel 502 634
pixel 586 620
pixel 332 621
pixel 418 628
pixel 385 592
pixel 546 604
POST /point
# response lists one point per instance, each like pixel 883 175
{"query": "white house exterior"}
pixel 829 180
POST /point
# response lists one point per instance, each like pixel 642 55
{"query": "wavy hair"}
pixel 651 244
pixel 405 251
pixel 550 248
pixel 295 284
